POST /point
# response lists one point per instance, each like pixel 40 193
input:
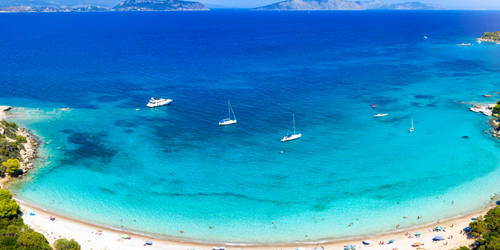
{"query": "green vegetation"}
pixel 33 240
pixel 12 125
pixel 11 166
pixel 20 139
pixel 15 235
pixel 64 244
pixel 496 109
pixel 495 36
pixel 487 230
pixel 8 207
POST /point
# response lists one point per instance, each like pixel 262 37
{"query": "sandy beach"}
pixel 87 235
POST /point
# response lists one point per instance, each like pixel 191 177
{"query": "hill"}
pixel 347 5
pixel 375 4
pixel 157 5
pixel 313 5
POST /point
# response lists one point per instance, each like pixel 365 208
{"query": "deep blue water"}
pixel 173 168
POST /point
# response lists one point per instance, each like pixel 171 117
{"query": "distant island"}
pixel 493 37
pixel 157 5
pixel 347 5
pixel 129 5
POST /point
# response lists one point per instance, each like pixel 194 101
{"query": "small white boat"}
pixel 411 129
pixel 290 137
pixel 478 41
pixel 381 114
pixel 228 121
pixel 157 102
pixel 425 37
pixel 498 43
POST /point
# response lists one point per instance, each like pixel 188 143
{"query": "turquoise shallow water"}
pixel 173 168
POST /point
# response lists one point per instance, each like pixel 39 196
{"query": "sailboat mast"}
pixel 228 109
pixel 293 123
pixel 233 113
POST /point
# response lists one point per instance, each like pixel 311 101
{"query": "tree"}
pixel 496 109
pixel 20 139
pixel 64 244
pixel 11 166
pixel 9 243
pixel 8 207
pixel 33 240
pixel 5 195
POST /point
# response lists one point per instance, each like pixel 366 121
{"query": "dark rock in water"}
pixel 465 137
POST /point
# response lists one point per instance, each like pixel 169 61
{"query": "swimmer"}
pixel 273 222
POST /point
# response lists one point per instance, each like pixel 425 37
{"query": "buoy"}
pixel 182 231
pixel 137 109
pixel 374 105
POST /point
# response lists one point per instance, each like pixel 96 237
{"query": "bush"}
pixel 64 244
pixel 9 124
pixel 9 243
pixel 11 166
pixel 34 240
pixel 463 248
pixel 20 139
pixel 8 207
pixel 496 109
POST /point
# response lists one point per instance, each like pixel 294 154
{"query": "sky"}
pixel 450 4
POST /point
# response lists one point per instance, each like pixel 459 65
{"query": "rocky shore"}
pixel 487 40
pixel 27 152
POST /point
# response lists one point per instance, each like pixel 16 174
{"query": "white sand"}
pixel 82 232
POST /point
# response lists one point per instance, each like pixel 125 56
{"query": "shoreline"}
pixel 80 230
pixel 85 234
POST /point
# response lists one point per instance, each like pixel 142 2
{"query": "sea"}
pixel 172 172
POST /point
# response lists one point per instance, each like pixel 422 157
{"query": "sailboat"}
pixel 411 129
pixel 382 114
pixel 290 137
pixel 228 121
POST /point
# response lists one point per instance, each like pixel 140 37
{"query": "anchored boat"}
pixel 157 102
pixel 228 121
pixel 290 137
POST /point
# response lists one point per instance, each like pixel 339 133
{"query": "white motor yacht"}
pixel 157 102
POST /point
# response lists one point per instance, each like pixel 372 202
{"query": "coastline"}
pixel 67 227
pixel 85 234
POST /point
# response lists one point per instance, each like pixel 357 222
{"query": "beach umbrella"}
pixel 439 228
pixel 438 238
pixel 124 236
pixel 149 242
pixel 468 229
pixel 367 242
pixel 417 234
pixel 300 248
pixel 392 241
